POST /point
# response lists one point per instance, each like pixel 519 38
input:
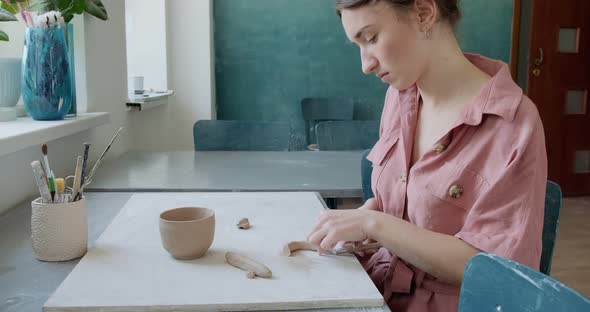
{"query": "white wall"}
pixel 106 74
pixel 16 34
pixel 146 42
pixel 190 75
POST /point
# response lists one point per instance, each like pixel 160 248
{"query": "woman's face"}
pixel 392 46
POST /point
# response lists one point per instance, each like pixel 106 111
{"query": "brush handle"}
pixel 84 161
pixel 41 181
pixel 77 175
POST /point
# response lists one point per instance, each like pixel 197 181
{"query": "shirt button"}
pixel 404 178
pixel 455 191
pixel 440 148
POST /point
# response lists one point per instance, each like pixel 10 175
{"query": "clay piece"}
pixel 293 246
pixel 251 266
pixel 187 232
pixel 244 224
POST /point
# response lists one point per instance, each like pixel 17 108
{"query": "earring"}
pixel 427 34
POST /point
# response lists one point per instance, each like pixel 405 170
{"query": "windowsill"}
pixel 25 132
pixel 148 101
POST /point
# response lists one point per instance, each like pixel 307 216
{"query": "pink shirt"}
pixel 483 182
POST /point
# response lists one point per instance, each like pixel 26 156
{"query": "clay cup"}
pixel 187 233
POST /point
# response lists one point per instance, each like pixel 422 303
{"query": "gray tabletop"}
pixel 26 283
pixel 332 174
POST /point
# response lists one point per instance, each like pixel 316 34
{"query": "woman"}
pixel 460 166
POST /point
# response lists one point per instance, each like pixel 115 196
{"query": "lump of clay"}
pixel 251 266
pixel 293 246
pixel 244 224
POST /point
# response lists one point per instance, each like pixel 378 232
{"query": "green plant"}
pixel 67 8
pixel 5 16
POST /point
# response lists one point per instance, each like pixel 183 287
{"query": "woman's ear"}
pixel 426 11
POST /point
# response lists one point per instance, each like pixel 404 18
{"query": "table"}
pixel 333 174
pixel 26 283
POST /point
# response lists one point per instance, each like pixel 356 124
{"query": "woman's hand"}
pixel 370 204
pixel 366 252
pixel 343 225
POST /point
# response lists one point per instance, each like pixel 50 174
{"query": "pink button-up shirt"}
pixel 483 182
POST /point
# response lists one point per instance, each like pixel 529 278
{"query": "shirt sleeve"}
pixel 507 219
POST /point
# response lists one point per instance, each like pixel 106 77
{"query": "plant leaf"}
pixel 42 6
pixel 71 7
pixel 3 36
pixel 12 8
pixel 6 16
pixel 96 9
pixel 68 17
pixel 8 8
pixel 66 7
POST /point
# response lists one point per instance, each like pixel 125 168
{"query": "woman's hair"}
pixel 448 9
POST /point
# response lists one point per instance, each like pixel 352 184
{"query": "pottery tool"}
pixel 41 181
pixel 48 172
pixel 349 249
pixel 77 178
pixel 293 246
pixel 89 179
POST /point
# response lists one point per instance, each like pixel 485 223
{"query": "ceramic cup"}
pixel 10 81
pixel 59 232
pixel 135 86
pixel 187 233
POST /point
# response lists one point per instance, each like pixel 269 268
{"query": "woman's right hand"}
pixel 362 253
pixel 370 204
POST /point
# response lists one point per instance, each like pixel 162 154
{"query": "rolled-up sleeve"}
pixel 507 219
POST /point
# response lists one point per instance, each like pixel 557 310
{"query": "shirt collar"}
pixel 499 96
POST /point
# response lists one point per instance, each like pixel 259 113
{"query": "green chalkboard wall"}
pixel 269 54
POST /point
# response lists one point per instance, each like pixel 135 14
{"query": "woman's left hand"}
pixel 353 225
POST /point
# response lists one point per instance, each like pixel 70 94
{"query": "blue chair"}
pixel 366 170
pixel 323 109
pixel 552 207
pixel 492 283
pixel 241 135
pixel 550 222
pixel 346 135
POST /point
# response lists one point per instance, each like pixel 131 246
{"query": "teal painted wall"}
pixel 269 54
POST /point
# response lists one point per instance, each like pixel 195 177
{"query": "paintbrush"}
pixel 83 177
pixel 48 173
pixel 91 174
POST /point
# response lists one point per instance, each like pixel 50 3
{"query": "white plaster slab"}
pixel 128 270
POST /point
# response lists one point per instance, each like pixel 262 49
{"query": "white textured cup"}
pixel 59 232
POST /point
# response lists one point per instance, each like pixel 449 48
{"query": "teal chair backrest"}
pixel 241 135
pixel 318 109
pixel 552 208
pixel 551 221
pixel 346 135
pixel 366 170
pixel 493 283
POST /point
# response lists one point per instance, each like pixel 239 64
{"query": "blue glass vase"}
pixel 46 79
